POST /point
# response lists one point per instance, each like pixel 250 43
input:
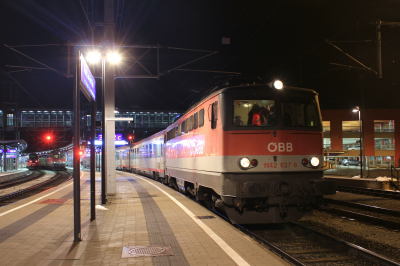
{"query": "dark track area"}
pixel 365 213
pixel 21 179
pixel 309 247
pixel 59 178
pixel 371 192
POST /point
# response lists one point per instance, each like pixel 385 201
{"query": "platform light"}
pixel 93 57
pixel 114 58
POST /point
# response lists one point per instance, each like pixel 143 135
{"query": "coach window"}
pixel 150 151
pixel 196 120
pixel 187 125
pixel 201 117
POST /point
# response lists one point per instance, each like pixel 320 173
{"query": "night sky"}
pixel 268 40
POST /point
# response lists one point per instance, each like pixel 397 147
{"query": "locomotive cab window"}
pixel 249 113
pixel 297 113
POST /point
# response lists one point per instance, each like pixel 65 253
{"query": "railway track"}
pixel 300 245
pixel 370 192
pixel 365 213
pixel 305 246
pixel 21 179
pixel 57 179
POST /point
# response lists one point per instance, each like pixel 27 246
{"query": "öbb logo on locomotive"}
pixel 280 146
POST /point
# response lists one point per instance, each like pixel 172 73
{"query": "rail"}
pixel 393 183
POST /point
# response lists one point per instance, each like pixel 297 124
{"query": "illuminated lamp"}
pixel 114 58
pixel 93 57
pixel 276 84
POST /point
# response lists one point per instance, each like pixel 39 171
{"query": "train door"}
pixel 159 156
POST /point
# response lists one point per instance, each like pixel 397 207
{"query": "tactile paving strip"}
pixel 54 201
pixel 147 251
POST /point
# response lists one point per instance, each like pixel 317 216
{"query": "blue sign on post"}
pixel 87 84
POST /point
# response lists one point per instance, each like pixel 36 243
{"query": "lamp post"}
pixel 113 58
pixel 355 110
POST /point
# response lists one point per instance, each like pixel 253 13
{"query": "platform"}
pixel 143 217
pixel 11 174
pixel 365 182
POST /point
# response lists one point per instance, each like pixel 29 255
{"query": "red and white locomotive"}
pixel 253 151
pixel 32 162
pixel 54 160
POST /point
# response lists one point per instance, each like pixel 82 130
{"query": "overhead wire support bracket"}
pixel 358 62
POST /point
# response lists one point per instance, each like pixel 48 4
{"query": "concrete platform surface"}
pixel 11 174
pixel 145 223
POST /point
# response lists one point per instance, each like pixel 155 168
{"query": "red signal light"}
pixel 80 153
pixel 130 137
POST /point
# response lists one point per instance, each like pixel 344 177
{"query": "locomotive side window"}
pixel 179 130
pixel 201 117
pixel 187 125
pixel 248 113
pixel 183 127
pixel 191 123
pixel 214 115
pixel 196 120
pixel 299 114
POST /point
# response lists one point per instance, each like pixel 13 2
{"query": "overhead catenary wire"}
pixel 323 43
pixel 87 18
pixel 19 84
pixel 59 72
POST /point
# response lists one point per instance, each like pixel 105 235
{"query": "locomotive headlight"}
pixel 314 161
pixel 244 162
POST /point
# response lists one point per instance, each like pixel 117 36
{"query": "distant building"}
pixel 342 135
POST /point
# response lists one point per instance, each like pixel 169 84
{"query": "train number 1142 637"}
pixel 281 165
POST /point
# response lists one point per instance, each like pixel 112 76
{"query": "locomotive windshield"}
pixel 33 156
pixel 248 113
pixel 297 113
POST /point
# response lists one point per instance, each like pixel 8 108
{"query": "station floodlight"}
pixel 93 57
pixel 114 58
